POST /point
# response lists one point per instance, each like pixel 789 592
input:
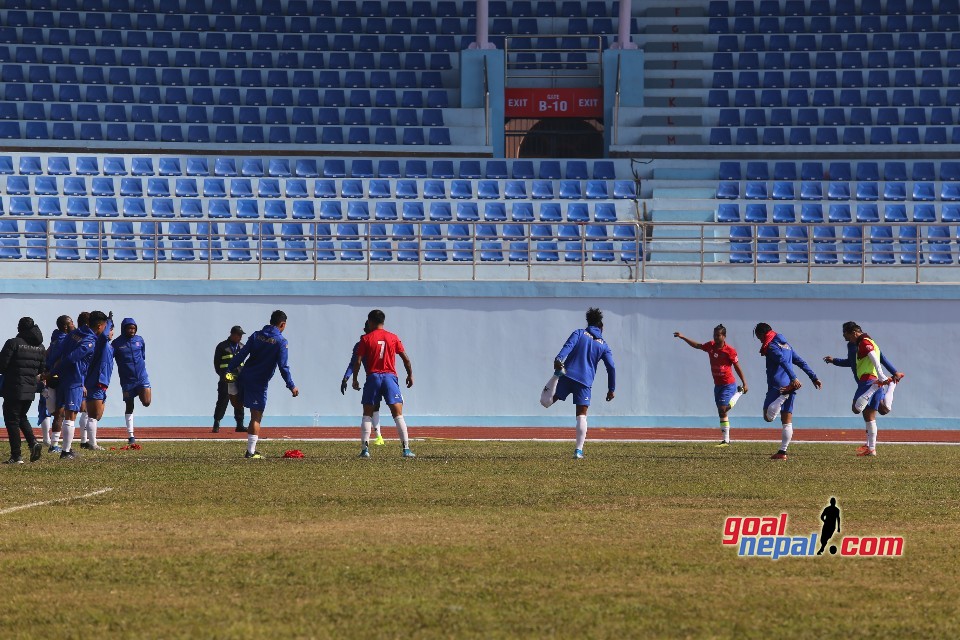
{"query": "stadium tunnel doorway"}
pixel 554 138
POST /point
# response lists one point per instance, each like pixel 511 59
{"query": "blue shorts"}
pixel 70 398
pixel 381 385
pixel 581 392
pixel 723 392
pixel 773 394
pixel 253 396
pixel 864 385
pixel 97 394
pixel 133 392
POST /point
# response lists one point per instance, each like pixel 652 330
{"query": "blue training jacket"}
pixel 851 361
pixel 353 358
pixel 101 367
pixel 267 350
pixel 131 357
pixel 76 357
pixel 57 342
pixel 581 353
pixel 780 358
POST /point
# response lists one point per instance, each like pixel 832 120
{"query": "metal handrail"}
pixel 565 67
pixel 486 103
pixel 616 107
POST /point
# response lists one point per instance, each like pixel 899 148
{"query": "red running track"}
pixel 538 433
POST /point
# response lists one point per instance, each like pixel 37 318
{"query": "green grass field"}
pixel 473 539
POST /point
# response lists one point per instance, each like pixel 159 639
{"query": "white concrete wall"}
pixel 483 360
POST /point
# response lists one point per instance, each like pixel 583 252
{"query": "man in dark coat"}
pixel 21 362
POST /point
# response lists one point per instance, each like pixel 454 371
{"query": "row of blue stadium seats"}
pixel 223 134
pixel 834 116
pixel 228 167
pixel 252 7
pixel 403 188
pixel 324 250
pixel 347 8
pixel 723 8
pixel 343 231
pixel 866 170
pixel 931 40
pixel 160 63
pixel 836 136
pixel 239 33
pixel 829 79
pixel 840 190
pixel 217 208
pixel 866 213
pixel 834 97
pixel 723 60
pixel 159 47
pixel 172 114
pixel 410 98
pixel 835 24
pixel 175 77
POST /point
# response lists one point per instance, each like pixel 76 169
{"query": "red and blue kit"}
pixel 722 360
pixel 378 351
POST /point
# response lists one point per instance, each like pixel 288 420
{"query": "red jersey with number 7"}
pixel 378 351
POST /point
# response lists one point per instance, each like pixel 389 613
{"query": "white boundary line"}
pixel 597 441
pixel 4 512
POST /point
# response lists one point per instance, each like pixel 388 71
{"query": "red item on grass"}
pixel 293 453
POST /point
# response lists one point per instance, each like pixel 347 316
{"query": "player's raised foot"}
pixel 68 455
pixel 54 448
pixel 779 455
pixel 867 453
pixel 13 461
pixel 734 398
pixel 409 454
pixel 240 429
pixel 36 451
pixel 722 444
pixel 379 440
pixel 365 453
pixel 253 456
pixel 578 454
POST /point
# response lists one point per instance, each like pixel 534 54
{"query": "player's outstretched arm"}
pixel 408 366
pixel 695 345
pixel 743 380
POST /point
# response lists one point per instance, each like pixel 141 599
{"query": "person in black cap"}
pixel 21 363
pixel 221 359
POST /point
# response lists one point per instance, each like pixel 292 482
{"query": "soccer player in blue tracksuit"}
pixel 50 425
pixel 96 383
pixel 782 381
pixel 349 373
pixel 874 393
pixel 72 368
pixel 575 368
pixel 130 352
pixel 267 351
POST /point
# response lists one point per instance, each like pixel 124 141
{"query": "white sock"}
pixel 864 398
pixel 67 434
pixel 56 435
pixel 581 431
pixel 366 423
pixel 774 409
pixel 872 434
pixel 376 422
pixel 786 437
pixel 45 425
pixel 887 401
pixel 725 430
pixel 402 429
pixel 734 398
pixel 92 430
pixel 82 425
pixel 252 443
pixel 128 417
pixel 550 390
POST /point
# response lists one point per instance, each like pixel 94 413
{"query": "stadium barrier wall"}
pixel 482 351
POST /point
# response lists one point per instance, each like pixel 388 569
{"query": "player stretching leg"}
pixel 867 363
pixel 267 350
pixel 725 390
pixel 782 382
pixel 97 381
pixel 377 352
pixel 343 388
pixel 575 367
pixel 130 351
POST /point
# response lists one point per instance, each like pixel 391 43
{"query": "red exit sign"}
pixel 554 103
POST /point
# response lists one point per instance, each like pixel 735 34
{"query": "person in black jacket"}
pixel 21 362
pixel 222 356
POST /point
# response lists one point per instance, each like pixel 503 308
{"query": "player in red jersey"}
pixel 377 352
pixel 725 389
